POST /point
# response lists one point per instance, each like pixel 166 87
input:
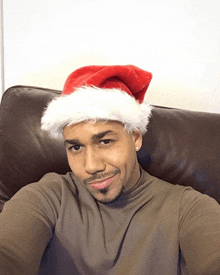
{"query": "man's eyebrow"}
pixel 71 141
pixel 95 138
pixel 99 136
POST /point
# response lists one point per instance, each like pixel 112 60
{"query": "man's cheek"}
pixel 76 168
pixel 115 156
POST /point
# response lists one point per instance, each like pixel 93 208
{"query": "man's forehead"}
pixel 98 128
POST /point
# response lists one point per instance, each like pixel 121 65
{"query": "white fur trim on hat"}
pixel 87 103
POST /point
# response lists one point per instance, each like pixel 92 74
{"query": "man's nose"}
pixel 93 161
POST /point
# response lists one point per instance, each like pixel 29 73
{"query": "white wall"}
pixel 178 41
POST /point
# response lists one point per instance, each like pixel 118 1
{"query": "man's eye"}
pixel 75 148
pixel 106 141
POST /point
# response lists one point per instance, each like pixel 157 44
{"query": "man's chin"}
pixel 105 197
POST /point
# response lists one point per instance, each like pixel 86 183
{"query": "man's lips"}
pixel 101 184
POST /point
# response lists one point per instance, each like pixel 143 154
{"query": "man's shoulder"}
pixel 186 195
pixel 44 196
pixel 53 182
pixel 162 186
pixel 54 179
pixel 51 187
pixel 189 199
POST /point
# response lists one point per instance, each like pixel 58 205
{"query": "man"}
pixel 108 216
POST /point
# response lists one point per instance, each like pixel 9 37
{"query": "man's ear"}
pixel 137 138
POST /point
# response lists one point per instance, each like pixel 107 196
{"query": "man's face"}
pixel 103 156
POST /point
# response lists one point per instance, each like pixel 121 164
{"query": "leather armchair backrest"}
pixel 181 147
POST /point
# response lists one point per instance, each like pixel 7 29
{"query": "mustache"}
pixel 99 176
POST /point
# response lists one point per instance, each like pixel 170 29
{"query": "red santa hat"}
pixel 100 93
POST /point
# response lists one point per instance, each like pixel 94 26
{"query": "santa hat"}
pixel 100 93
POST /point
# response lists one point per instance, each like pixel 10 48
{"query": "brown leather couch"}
pixel 181 147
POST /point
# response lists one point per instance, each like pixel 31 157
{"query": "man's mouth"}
pixel 101 184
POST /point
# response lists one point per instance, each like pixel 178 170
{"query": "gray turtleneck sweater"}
pixel 55 227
